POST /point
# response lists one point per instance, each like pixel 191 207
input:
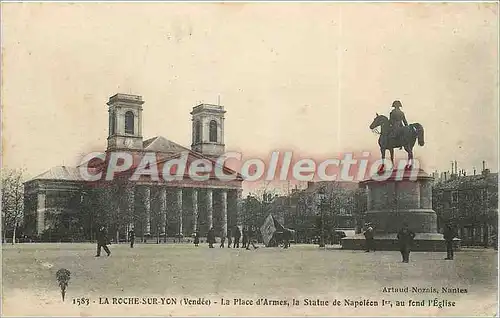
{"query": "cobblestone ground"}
pixel 351 281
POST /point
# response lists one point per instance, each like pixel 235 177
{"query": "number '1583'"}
pixel 81 301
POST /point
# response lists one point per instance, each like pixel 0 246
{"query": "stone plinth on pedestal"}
pixel 394 198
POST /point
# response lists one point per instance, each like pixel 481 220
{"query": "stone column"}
pixel 163 210
pixel 210 208
pixel 130 197
pixel 194 199
pixel 239 207
pixel 147 210
pixel 138 123
pixel 224 212
pixel 179 209
pixel 120 122
pixel 40 213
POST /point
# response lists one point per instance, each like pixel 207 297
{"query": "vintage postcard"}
pixel 249 159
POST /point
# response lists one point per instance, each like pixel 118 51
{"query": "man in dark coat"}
pixel 211 238
pixel 196 238
pixel 245 238
pixel 449 234
pixel 131 237
pixel 251 238
pixel 369 238
pixel 236 236
pixel 287 236
pixel 222 239
pixel 405 239
pixel 102 241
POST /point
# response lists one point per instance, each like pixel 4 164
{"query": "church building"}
pixel 61 205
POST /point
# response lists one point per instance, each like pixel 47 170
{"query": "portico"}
pixel 165 210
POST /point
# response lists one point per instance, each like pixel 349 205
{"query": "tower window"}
pixel 197 132
pixel 213 131
pixel 129 122
pixel 112 123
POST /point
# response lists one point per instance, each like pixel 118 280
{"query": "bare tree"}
pixel 12 201
pixel 265 194
pixel 257 204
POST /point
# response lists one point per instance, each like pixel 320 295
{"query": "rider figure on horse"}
pixel 395 132
pixel 397 119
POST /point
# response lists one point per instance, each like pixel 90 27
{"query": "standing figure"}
pixel 369 238
pixel 131 237
pixel 251 238
pixel 229 239
pixel 211 238
pixel 405 238
pixel 244 242
pixel 449 234
pixel 236 236
pixel 286 238
pixel 102 241
pixel 196 238
pixel 222 239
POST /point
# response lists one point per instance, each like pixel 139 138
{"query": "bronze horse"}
pixel 405 137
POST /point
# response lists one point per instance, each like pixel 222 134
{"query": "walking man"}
pixel 251 239
pixel 405 238
pixel 449 235
pixel 102 241
pixel 131 237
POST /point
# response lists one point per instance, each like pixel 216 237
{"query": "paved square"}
pixel 303 272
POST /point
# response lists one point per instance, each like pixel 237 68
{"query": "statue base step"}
pixel 423 242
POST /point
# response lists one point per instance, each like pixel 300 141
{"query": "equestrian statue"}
pixel 396 133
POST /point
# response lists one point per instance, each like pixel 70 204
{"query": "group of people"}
pixel 233 238
pixel 405 240
pixel 103 241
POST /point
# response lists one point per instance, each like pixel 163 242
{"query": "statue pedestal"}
pixel 402 197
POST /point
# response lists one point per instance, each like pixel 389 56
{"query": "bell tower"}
pixel 125 122
pixel 208 130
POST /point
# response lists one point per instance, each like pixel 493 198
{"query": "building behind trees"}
pixel 470 203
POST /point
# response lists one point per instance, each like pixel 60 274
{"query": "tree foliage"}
pixel 12 201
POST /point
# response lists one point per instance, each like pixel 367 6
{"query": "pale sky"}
pixel 302 77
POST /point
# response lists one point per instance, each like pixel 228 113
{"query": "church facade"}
pixel 60 204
